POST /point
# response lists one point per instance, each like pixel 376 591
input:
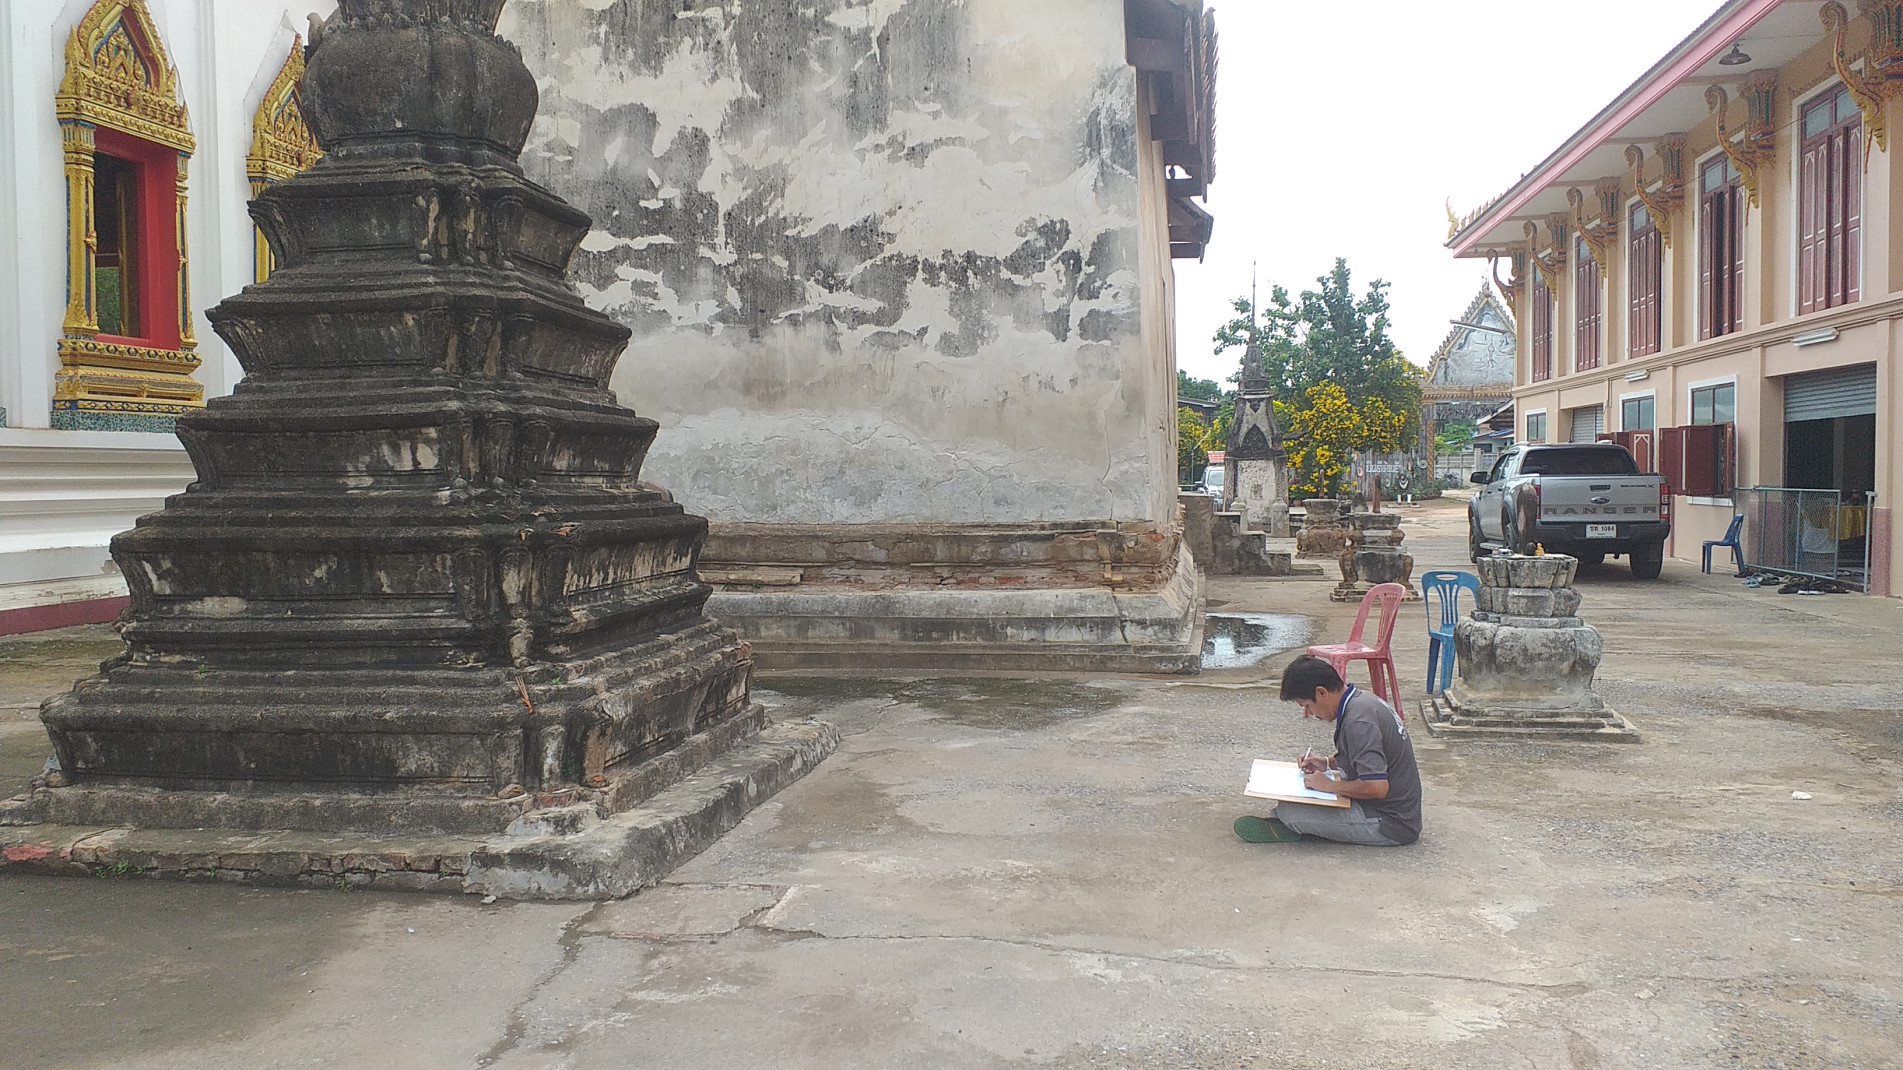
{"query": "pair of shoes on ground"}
pixel 1265 830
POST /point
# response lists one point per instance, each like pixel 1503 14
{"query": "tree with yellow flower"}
pixel 1325 432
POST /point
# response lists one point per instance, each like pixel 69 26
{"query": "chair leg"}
pixel 1394 686
pixel 1737 556
pixel 1706 566
pixel 1433 661
pixel 1446 667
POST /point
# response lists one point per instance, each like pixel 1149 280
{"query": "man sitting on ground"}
pixel 1373 755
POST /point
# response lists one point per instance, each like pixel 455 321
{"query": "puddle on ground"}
pixel 1238 640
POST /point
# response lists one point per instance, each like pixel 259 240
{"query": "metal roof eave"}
pixel 1706 43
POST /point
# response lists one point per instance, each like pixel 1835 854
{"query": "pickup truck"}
pixel 1587 500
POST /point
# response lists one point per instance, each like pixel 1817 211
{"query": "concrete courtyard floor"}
pixel 1041 873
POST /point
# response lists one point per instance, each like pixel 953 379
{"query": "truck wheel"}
pixel 1476 541
pixel 1516 539
pixel 1647 560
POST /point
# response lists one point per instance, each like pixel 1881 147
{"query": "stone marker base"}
pixel 1077 630
pixel 1447 720
pixel 1360 590
pixel 562 851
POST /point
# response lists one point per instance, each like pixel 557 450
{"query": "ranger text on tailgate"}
pixel 1587 500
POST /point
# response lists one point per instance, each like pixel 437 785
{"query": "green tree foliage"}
pixel 1191 455
pixel 1455 437
pixel 1197 389
pixel 1327 335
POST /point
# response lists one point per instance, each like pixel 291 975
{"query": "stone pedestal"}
pixel 1278 520
pixel 1323 532
pixel 419 585
pixel 1371 555
pixel 1525 660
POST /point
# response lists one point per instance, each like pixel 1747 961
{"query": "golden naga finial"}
pixel 1453 221
pixel 1662 203
pixel 1866 91
pixel 1741 157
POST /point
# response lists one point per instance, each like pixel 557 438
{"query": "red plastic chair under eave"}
pixel 1380 656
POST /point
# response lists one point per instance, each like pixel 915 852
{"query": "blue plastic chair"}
pixel 1440 640
pixel 1731 540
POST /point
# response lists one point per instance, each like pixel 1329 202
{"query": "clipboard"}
pixel 1282 781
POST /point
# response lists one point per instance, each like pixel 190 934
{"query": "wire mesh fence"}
pixel 1802 532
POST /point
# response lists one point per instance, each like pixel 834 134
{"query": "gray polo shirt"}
pixel 1371 743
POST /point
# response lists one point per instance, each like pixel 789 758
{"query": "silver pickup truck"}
pixel 1587 500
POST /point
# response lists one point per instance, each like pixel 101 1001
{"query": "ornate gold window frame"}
pixel 119 78
pixel 281 144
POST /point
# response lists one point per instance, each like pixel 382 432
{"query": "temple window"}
pixel 1721 203
pixel 1830 203
pixel 281 144
pixel 1542 332
pixel 1586 308
pixel 1645 276
pixel 126 349
pixel 116 221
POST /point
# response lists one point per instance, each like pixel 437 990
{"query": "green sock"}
pixel 1265 830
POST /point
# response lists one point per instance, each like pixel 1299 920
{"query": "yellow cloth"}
pixel 1852 521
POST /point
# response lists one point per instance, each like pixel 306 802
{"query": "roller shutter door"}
pixel 1827 395
pixel 1588 423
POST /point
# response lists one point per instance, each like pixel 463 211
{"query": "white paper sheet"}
pixel 1283 779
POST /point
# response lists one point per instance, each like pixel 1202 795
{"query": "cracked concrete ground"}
pixel 1040 873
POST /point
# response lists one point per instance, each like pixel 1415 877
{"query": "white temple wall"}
pixel 63 494
pixel 886 262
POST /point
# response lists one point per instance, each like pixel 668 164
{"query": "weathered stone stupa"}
pixel 419 584
pixel 1256 483
pixel 1526 661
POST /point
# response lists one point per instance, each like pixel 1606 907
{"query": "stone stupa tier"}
pixel 419 582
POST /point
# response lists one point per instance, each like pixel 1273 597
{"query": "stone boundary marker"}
pixel 1525 661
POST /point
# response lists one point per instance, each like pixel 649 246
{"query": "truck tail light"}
pixel 1665 501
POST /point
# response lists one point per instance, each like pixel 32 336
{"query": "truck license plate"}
pixel 1602 531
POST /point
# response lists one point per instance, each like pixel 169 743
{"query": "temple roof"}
pixel 1474 363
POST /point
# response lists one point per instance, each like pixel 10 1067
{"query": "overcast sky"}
pixel 1343 128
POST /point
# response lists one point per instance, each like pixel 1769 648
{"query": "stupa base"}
pixel 557 846
pixel 1447 719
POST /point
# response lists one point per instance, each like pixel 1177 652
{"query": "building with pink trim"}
pixel 1711 271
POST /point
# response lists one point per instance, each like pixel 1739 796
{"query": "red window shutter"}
pixel 1853 213
pixel 1734 241
pixel 1708 247
pixel 1586 312
pixel 1648 267
pixel 1700 466
pixel 1831 227
pixel 1542 361
pixel 1643 448
pixel 1728 460
pixel 1671 457
pixel 1810 210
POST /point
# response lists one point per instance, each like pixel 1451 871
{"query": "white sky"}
pixel 1343 127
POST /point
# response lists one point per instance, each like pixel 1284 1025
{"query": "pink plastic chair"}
pixel 1379 656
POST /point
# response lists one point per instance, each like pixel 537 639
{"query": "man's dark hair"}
pixel 1305 674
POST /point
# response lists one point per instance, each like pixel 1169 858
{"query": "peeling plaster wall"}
pixel 886 261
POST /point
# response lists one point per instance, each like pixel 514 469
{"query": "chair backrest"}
pixel 1737 525
pixel 1447 585
pixel 1390 595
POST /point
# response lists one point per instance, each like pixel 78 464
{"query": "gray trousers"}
pixel 1355 825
